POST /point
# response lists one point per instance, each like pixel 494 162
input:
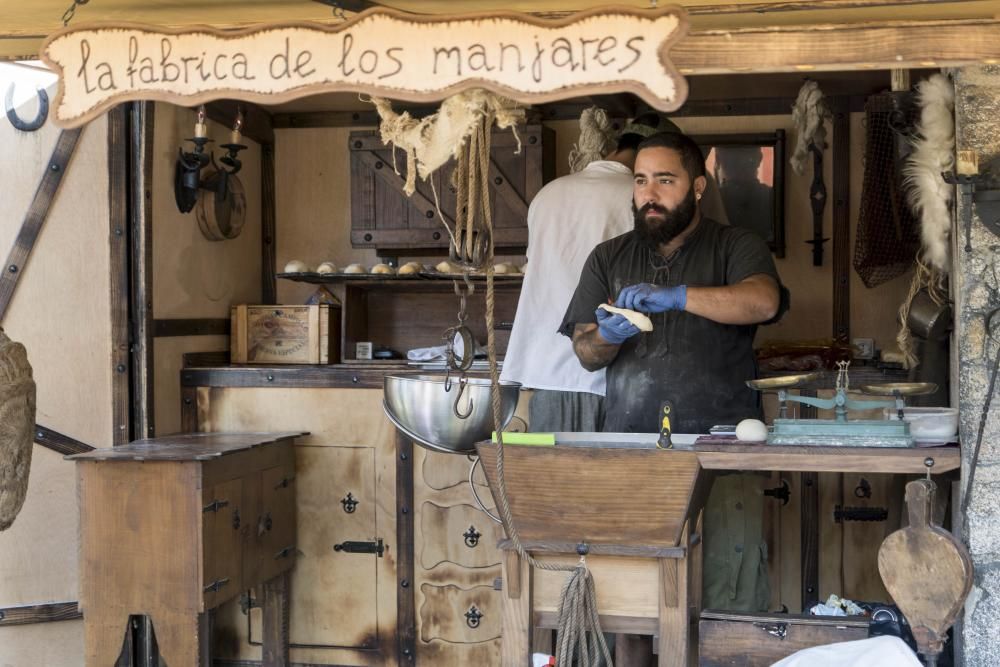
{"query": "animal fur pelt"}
pixel 809 113
pixel 933 152
pixel 430 142
pixel 596 139
pixel 17 427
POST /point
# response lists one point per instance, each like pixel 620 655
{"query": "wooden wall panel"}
pixel 192 276
pixel 61 312
pixel 167 363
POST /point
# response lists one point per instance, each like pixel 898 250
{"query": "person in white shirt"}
pixel 566 220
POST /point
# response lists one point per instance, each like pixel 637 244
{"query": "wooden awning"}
pixel 739 35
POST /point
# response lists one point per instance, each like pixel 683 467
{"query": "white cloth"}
pixel 566 220
pixel 874 652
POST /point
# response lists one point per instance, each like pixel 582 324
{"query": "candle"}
pixel 967 163
pixel 200 128
pixel 235 137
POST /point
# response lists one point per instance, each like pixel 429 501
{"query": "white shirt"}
pixel 566 220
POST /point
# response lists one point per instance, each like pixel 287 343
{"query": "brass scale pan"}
pixel 882 389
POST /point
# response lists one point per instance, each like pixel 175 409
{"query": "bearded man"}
pixel 706 287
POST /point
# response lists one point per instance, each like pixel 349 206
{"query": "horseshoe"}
pixel 15 120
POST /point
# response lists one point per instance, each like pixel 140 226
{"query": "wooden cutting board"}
pixel 926 570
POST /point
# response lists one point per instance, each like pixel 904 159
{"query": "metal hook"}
pixel 462 383
pixel 15 120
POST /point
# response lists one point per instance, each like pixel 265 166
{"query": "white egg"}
pixel 296 266
pixel 326 267
pixel 751 430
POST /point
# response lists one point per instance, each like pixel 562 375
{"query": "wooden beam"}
pixel 205 326
pixel 141 239
pixel 40 613
pixel 58 442
pixel 13 268
pixel 118 206
pixel 257 123
pixel 839 47
pixel 841 142
pixel 406 614
pixel 268 226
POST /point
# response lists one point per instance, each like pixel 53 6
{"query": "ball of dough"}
pixel 297 266
pixel 356 268
pixel 641 322
pixel 383 268
pixel 447 267
pixel 751 430
pixel 503 267
pixel 410 268
pixel 326 267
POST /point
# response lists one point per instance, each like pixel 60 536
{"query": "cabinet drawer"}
pixel 752 640
pixel 223 517
pixel 458 615
pixel 461 534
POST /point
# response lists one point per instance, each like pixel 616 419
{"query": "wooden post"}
pixel 275 622
pixel 516 626
pixel 674 597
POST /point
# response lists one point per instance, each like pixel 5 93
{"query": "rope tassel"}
pixel 579 635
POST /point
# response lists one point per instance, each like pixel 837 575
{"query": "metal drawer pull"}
pixel 236 519
pixel 215 506
pixel 473 616
pixel 285 553
pixel 285 481
pixel 264 524
pixel 779 630
pixel 216 585
pixel 472 537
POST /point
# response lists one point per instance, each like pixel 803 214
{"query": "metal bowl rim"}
pixel 440 379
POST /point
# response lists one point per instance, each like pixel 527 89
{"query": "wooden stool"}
pixel 630 509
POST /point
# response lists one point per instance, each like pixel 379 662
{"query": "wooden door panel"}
pixel 222 518
pixel 333 600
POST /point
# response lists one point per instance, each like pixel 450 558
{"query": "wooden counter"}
pixel 828 459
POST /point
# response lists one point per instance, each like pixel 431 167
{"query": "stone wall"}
pixel 976 279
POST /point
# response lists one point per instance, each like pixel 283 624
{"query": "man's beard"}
pixel 660 232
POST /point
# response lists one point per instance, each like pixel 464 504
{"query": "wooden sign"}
pixel 379 52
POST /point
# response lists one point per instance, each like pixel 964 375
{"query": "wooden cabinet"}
pixel 455 566
pixel 173 527
pixel 384 217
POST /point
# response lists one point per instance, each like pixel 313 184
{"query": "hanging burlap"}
pixel 17 427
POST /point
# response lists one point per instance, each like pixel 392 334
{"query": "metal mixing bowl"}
pixel 420 407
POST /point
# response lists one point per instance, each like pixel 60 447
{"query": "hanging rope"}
pixel 925 277
pixel 597 137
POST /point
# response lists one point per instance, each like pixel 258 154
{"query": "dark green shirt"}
pixel 699 365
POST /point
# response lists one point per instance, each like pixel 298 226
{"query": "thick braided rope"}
pixel 578 618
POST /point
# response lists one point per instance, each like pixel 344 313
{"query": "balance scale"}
pixel 841 431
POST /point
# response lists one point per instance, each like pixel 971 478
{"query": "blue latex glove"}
pixel 648 298
pixel 613 327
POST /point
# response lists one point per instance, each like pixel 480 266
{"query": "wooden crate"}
pixel 746 639
pixel 285 334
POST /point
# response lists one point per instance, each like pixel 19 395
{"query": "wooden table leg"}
pixel 516 625
pixel 275 622
pixel 674 599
